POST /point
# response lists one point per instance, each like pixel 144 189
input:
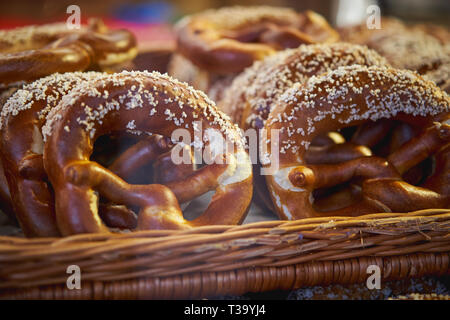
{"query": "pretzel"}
pixel 21 120
pixel 32 52
pixel 147 103
pixel 426 49
pixel 227 40
pixel 252 95
pixel 350 96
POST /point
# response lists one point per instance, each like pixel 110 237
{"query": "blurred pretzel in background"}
pixel 32 52
pixel 215 45
pixel 424 48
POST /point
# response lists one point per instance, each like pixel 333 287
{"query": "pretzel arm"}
pixel 419 148
pixel 369 134
pixel 327 139
pixel 401 134
pixel 200 182
pixel 140 154
pixel 439 181
pixel 33 64
pixel 382 185
pixel 32 168
pixel 87 173
pixel 320 176
pixel 335 153
pixel 165 170
pixel 401 196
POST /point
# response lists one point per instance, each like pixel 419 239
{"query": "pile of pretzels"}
pixel 343 128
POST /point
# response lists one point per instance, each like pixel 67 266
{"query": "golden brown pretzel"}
pixel 32 52
pixel 147 103
pixel 413 47
pixel 350 96
pixel 253 93
pixel 21 120
pixel 216 45
pixel 227 40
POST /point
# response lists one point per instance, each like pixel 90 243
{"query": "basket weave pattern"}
pixel 216 260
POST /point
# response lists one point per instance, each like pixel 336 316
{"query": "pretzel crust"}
pixel 350 96
pixel 153 103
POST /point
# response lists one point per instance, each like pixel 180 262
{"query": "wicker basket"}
pixel 221 260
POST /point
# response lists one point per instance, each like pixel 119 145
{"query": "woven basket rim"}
pixel 325 223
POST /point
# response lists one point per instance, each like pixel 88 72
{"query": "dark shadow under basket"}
pixel 221 260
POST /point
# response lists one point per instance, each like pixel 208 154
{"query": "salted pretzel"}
pixel 253 93
pixel 227 40
pixel 32 52
pixel 215 45
pixel 21 121
pixel 417 47
pixel 351 96
pixel 147 103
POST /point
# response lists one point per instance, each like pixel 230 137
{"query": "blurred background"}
pixel 151 20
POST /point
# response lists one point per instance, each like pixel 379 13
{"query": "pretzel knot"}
pixel 230 39
pixel 32 52
pixel 351 96
pixel 147 103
